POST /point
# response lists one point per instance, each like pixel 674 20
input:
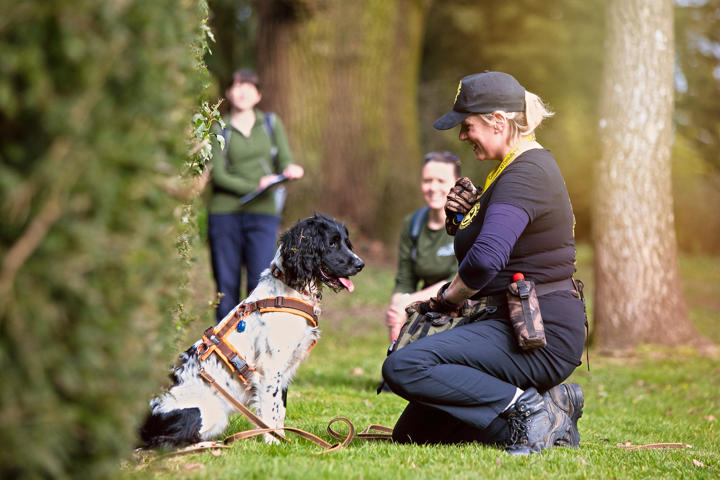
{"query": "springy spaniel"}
pixel 314 252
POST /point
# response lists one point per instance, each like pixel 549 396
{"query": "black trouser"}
pixel 237 240
pixel 459 381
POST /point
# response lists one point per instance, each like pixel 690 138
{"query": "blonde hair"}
pixel 523 123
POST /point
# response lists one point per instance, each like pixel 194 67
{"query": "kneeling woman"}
pixel 474 383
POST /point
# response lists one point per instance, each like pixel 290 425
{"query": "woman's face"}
pixel 488 141
pixel 243 96
pixel 437 180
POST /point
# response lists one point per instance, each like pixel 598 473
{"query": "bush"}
pixel 95 106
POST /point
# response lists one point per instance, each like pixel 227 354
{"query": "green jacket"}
pixel 435 259
pixel 238 171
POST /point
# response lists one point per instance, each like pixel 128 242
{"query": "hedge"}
pixel 96 99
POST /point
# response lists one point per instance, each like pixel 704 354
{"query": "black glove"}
pixel 460 200
pixel 438 304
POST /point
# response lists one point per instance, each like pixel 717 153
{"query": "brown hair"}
pixel 444 157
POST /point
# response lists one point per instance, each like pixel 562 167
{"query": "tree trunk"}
pixel 638 298
pixel 344 76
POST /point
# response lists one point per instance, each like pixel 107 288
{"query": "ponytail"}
pixel 535 113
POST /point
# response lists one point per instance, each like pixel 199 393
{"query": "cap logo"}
pixel 458 92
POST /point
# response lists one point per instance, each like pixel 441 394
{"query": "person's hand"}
pixel 395 316
pixel 293 172
pixel 266 180
pixel 460 200
pixel 438 304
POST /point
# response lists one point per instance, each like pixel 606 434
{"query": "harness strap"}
pixel 213 339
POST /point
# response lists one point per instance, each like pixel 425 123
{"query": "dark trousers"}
pixel 237 240
pixel 459 381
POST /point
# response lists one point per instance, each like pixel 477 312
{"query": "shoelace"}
pixel 518 430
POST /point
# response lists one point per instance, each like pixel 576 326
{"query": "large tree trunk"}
pixel 638 298
pixel 344 76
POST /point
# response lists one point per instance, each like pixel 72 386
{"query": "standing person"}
pixel 473 382
pixel 426 257
pixel 256 151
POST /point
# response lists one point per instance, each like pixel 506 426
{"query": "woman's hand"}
pixel 293 172
pixel 395 316
pixel 439 304
pixel 460 200
pixel 266 180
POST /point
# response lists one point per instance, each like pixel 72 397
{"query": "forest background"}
pixel 555 50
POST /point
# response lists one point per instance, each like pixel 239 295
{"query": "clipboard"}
pixel 252 195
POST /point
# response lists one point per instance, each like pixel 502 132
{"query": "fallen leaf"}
pixel 709 418
pixel 582 460
pixel 356 372
pixel 216 452
pixel 193 466
pixel 498 462
pixel 698 463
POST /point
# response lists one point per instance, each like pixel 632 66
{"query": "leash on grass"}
pixel 373 432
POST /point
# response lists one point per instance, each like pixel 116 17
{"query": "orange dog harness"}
pixel 213 339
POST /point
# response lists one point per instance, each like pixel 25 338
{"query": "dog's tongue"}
pixel 347 283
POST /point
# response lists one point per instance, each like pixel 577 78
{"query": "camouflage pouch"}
pixel 418 325
pixel 525 314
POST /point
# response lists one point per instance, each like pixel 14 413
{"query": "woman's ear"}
pixel 499 121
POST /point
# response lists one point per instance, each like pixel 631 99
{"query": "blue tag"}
pixel 241 326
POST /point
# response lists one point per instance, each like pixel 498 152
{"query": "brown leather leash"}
pixel 373 432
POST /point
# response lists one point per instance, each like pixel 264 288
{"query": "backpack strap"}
pixel 416 223
pixel 226 136
pixel 269 126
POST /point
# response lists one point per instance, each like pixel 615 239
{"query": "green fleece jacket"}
pixel 435 259
pixel 238 171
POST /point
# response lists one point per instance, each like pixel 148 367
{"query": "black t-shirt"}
pixel 545 251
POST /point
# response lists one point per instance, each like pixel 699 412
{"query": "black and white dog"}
pixel 314 252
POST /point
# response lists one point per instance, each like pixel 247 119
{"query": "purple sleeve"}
pixel 490 252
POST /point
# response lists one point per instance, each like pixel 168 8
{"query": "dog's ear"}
pixel 301 252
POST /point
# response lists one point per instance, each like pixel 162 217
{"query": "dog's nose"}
pixel 358 263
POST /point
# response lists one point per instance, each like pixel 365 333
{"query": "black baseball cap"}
pixel 483 93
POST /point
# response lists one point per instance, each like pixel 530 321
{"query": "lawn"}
pixel 655 395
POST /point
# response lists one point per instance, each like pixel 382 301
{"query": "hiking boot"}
pixel 568 397
pixel 535 424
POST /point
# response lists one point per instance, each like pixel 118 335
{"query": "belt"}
pixel 500 299
pixel 545 288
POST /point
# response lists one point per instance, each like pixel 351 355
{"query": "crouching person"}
pixel 481 381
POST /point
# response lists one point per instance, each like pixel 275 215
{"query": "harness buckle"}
pixel 279 302
pixel 214 339
pixel 240 365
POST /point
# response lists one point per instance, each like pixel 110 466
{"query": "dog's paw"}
pixel 270 440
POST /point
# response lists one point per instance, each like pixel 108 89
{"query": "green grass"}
pixel 655 395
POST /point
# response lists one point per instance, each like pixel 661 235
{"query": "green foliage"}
pixel 650 396
pixel 95 107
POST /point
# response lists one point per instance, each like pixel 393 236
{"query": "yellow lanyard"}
pixel 506 161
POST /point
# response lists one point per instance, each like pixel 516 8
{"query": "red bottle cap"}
pixel 518 276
